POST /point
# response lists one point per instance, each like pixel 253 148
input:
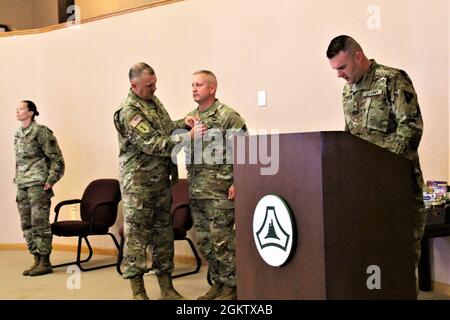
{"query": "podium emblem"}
pixel 273 230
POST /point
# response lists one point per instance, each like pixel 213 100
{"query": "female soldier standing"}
pixel 39 165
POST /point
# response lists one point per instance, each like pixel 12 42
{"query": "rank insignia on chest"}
pixel 372 93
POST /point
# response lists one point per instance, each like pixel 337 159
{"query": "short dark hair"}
pixel 138 68
pixel 342 43
pixel 31 107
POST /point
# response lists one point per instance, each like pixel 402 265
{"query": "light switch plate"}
pixel 262 98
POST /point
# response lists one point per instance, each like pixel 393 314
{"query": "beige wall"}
pixel 20 64
pixel 441 246
pixel 79 76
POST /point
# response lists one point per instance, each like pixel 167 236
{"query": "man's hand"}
pixel 189 121
pixel 197 131
pixel 47 186
pixel 231 192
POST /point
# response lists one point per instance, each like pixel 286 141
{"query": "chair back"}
pixel 100 191
pixel 180 195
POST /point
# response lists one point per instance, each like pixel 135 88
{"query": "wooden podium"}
pixel 351 203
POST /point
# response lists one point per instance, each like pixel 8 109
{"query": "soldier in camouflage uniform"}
pixel 380 106
pixel 146 141
pixel 211 190
pixel 39 165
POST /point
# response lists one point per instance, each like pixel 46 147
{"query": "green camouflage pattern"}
pixel 145 143
pixel 33 204
pixel 215 231
pixel 38 157
pixel 148 224
pixel 209 182
pixel 382 108
pixel 213 176
pixel 38 161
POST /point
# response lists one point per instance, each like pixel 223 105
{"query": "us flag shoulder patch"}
pixel 135 121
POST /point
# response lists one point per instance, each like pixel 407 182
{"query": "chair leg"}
pixel 197 259
pixel 208 278
pixel 116 243
pixel 120 255
pixel 80 244
pixel 78 261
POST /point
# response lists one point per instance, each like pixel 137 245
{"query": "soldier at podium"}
pixel 380 106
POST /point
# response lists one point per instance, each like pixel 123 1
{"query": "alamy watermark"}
pixel 74 279
pixel 216 147
pixel 374 280
pixel 74 19
pixel 374 19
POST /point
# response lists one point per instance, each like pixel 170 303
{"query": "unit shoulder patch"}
pixel 138 123
pixel 143 127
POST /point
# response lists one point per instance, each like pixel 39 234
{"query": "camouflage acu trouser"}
pixel 214 223
pixel 33 204
pixel 419 214
pixel 148 222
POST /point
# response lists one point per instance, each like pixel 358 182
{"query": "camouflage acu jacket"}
pixel 382 108
pixel 209 167
pixel 38 157
pixel 145 142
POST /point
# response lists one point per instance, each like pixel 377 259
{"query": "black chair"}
pixel 182 223
pixel 98 210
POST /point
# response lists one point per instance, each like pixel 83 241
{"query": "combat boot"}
pixel 37 258
pixel 167 290
pixel 213 292
pixel 43 267
pixel 228 293
pixel 138 288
